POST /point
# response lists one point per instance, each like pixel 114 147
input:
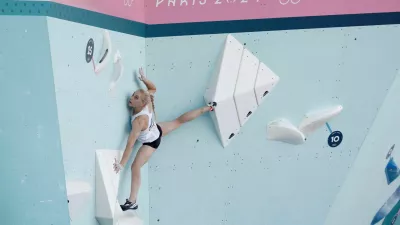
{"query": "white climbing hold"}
pixel 105 53
pixel 118 70
pixel 284 131
pixel 317 119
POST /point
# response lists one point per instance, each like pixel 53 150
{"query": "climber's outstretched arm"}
pixel 138 125
pixel 150 85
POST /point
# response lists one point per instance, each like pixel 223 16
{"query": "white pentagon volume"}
pixel 108 210
pixel 318 118
pixel 234 89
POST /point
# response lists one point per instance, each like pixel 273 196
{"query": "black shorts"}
pixel 154 144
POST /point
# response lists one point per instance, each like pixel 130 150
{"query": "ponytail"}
pixel 152 103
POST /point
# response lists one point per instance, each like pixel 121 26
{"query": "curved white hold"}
pixel 118 70
pixel 284 131
pixel 265 82
pixel 105 53
pixel 221 89
pixel 78 193
pixel 245 98
pixel 107 183
pixel 317 119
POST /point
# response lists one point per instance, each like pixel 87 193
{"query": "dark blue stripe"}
pixel 235 26
pixel 73 14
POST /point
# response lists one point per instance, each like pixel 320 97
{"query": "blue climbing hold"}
pixel 391 171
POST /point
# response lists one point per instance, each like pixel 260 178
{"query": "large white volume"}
pixel 265 82
pixel 78 193
pixel 108 210
pixel 245 98
pixel 221 90
pixel 237 88
pixel 107 183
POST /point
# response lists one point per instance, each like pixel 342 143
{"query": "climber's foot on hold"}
pixel 129 205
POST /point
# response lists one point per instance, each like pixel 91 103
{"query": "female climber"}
pixel 146 130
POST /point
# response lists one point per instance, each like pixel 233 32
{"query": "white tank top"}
pixel 151 133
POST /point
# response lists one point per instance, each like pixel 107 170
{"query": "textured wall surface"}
pixel 254 180
pixel 32 187
pixel 366 188
pixel 90 115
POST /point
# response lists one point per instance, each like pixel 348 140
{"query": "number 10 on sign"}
pixel 335 137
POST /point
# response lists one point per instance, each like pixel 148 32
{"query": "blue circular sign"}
pixel 335 138
pixel 89 50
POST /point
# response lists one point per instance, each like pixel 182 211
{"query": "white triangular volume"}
pixel 129 218
pixel 78 193
pixel 265 82
pixel 107 182
pixel 317 119
pixel 118 70
pixel 245 98
pixel 105 53
pixel 221 90
pixel 284 131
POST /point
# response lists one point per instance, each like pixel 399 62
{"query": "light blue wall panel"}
pixel 32 189
pixel 92 117
pixel 193 180
pixel 366 188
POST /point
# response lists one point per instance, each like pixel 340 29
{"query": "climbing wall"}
pixel 193 179
pixel 92 95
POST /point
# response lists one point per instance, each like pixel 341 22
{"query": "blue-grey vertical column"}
pixel 32 189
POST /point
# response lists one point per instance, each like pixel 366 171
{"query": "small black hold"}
pixel 231 136
pixel 68 201
pixel 197 140
pixel 355 39
pixel 158 220
pixel 248 114
pixel 265 93
pixel 244 44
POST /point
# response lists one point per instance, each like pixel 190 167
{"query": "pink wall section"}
pixel 178 11
pixel 165 11
pixel 127 9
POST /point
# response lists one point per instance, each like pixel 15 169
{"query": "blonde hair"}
pixel 146 98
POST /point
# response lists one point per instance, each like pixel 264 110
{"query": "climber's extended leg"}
pixel 170 126
pixel 141 158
